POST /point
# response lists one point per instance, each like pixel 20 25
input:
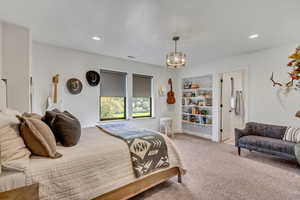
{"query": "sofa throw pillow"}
pixel 67 129
pixel 38 137
pixel 292 135
pixel 12 146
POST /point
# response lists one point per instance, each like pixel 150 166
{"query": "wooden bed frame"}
pixel 141 185
pixel 32 192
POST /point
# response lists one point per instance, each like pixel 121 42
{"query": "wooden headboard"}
pixel 3 94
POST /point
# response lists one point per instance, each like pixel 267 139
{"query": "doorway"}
pixel 232 104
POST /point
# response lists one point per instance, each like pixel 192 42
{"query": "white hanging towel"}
pixel 232 98
pixel 239 104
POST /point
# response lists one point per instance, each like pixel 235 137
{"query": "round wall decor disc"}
pixel 74 86
pixel 93 78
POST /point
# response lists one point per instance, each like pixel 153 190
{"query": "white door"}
pixel 233 82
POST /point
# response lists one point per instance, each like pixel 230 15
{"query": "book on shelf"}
pixel 197 98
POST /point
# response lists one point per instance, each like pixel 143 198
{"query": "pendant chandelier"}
pixel 176 59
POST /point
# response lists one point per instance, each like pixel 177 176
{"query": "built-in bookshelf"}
pixel 197 106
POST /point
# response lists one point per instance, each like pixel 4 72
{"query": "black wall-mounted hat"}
pixel 74 86
pixel 93 78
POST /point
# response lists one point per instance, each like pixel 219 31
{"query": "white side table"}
pixel 166 126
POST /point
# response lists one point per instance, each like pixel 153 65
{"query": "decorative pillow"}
pixel 32 115
pixel 38 137
pixel 10 115
pixel 292 135
pixel 12 146
pixel 10 112
pixel 49 117
pixel 67 129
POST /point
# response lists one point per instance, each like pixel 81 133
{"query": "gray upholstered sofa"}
pixel 266 139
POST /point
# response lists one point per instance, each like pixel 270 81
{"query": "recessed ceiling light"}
pixel 254 36
pixel 97 38
pixel 131 57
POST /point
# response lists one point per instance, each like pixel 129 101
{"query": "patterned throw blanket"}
pixel 148 149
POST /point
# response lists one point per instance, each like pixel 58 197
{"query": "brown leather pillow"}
pixel 49 117
pixel 67 129
pixel 38 137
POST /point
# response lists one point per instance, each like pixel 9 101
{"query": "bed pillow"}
pixel 32 115
pixel 10 112
pixel 12 146
pixel 10 115
pixel 49 117
pixel 67 129
pixel 38 137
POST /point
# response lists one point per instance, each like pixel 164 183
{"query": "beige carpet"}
pixel 216 172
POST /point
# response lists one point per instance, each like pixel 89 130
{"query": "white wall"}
pixel 0 49
pixel 2 85
pixel 16 55
pixel 266 104
pixel 49 60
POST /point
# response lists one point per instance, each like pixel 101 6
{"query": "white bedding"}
pixel 10 180
pixel 99 163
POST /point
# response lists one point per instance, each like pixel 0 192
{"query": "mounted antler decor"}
pixel 295 72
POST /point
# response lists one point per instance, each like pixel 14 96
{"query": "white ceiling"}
pixel 209 29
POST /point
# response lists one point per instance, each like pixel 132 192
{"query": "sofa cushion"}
pixel 268 143
pixel 266 130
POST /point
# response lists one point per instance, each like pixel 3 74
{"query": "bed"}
pixel 98 167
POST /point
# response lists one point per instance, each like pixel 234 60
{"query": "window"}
pixel 142 92
pixel 112 95
pixel 112 108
